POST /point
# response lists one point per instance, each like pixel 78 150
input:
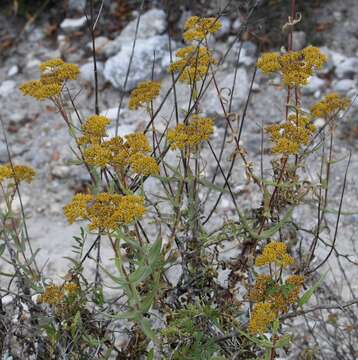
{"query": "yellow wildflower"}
pixel 290 135
pixel 262 316
pixel 105 211
pixel 330 106
pixel 191 135
pixel 269 62
pixel 295 66
pixel 54 73
pixel 52 295
pixel 143 94
pixel 97 155
pixel 39 90
pixel 77 208
pixel 197 28
pixel 193 64
pixel 143 165
pixel 258 292
pixel 94 129
pixel 275 253
pixel 18 173
pixel 137 142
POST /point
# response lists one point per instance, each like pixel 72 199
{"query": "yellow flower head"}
pixel 275 253
pixel 105 211
pixel 262 316
pixel 77 209
pixel 143 94
pixel 269 62
pixel 18 173
pixel 143 164
pixel 197 28
pixel 295 66
pixel 97 155
pixel 94 129
pixel 289 136
pixel 191 135
pixel 53 74
pixel 330 106
pixel 137 142
pixel 258 292
pixel 193 63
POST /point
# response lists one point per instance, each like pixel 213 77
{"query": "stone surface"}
pixel 347 68
pixel 87 71
pixel 70 25
pixel 77 5
pixel 315 84
pixel 343 86
pixel 115 69
pixel 298 40
pixel 13 71
pixel 152 23
pixel 7 87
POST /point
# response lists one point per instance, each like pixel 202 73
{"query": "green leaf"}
pixel 212 186
pixel 139 275
pixel 147 329
pixel 154 251
pixel 283 341
pixel 307 295
pixel 129 315
pixel 2 249
pixel 75 323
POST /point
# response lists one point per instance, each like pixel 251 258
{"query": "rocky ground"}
pixel 38 136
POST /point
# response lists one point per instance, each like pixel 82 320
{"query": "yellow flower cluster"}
pixel 189 136
pixel 53 74
pixel 262 316
pixel 197 28
pixel 94 129
pixel 143 94
pixel 279 296
pixel 295 66
pixel 193 63
pixel 275 253
pixel 18 173
pixel 330 106
pixel 105 211
pixel 289 136
pixel 117 152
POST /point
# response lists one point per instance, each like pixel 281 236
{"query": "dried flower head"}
pixel 53 295
pixel 53 75
pixel 193 64
pixel 261 317
pixel 71 288
pixel 275 253
pixel 197 28
pixel 143 94
pixel 189 136
pixel 18 173
pixel 330 106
